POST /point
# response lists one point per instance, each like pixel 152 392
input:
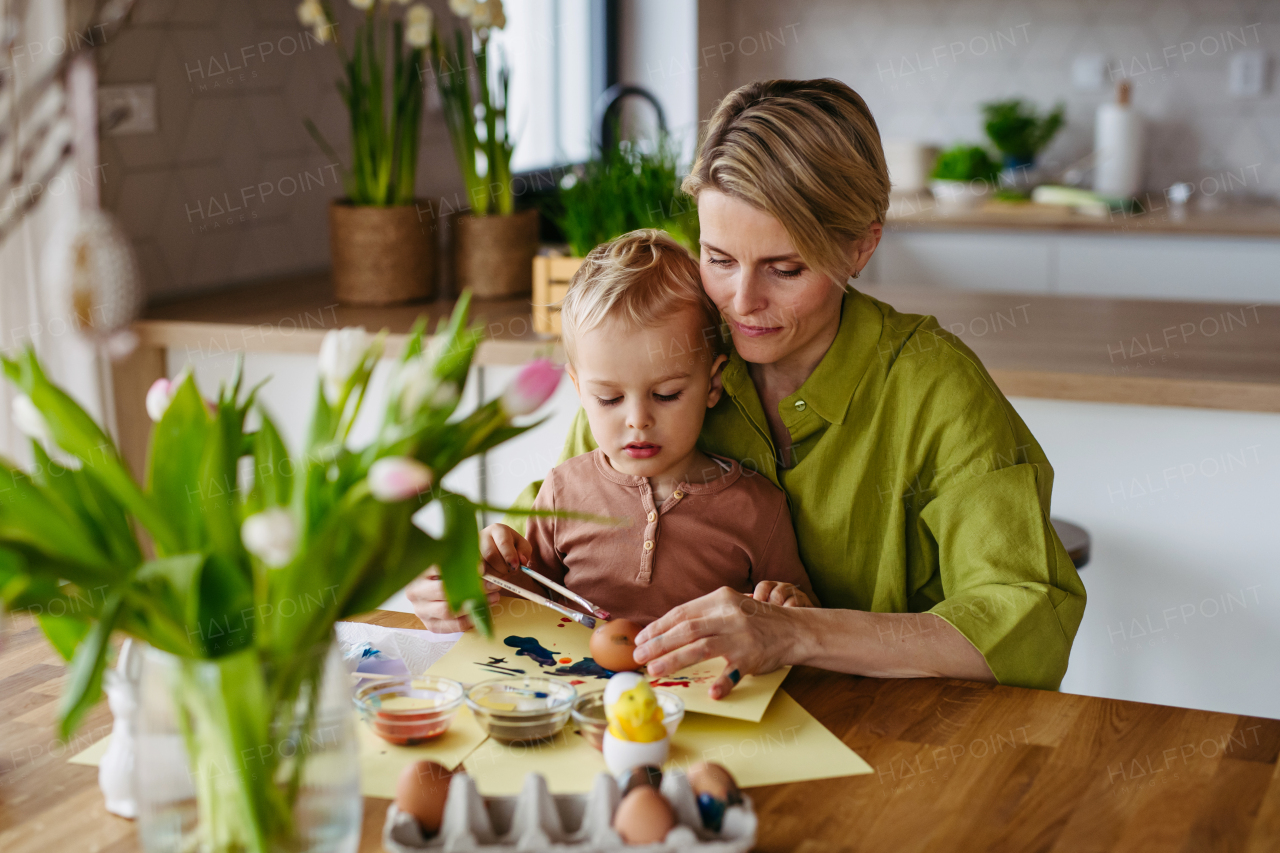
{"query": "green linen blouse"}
pixel 915 487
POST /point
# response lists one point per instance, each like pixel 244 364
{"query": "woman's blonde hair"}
pixel 806 152
pixel 642 278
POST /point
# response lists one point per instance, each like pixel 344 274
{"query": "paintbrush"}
pixel 565 591
pixel 580 618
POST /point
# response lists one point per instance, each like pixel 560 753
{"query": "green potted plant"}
pixel 963 176
pixel 624 188
pixel 234 580
pixel 382 251
pixel 493 244
pixel 1019 132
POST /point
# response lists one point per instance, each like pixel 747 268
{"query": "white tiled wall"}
pixel 924 66
pixel 234 80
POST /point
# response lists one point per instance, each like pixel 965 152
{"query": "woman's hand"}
pixel 755 637
pixel 781 594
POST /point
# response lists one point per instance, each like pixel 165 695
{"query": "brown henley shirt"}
pixel 732 530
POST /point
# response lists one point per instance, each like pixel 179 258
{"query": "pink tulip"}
pixel 159 396
pixel 398 478
pixel 532 387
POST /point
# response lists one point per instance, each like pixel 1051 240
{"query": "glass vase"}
pixel 242 755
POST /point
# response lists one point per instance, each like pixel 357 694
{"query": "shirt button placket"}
pixel 650 535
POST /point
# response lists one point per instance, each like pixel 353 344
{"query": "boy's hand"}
pixel 781 594
pixel 426 594
pixel 503 550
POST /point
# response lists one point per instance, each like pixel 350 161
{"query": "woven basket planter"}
pixel 494 254
pixel 381 255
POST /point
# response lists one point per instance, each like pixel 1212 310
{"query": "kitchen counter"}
pixel 1199 354
pixel 918 212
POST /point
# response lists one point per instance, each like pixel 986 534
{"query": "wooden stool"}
pixel 1075 539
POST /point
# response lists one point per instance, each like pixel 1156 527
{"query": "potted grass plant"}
pixel 383 251
pixel 625 187
pixel 233 560
pixel 494 243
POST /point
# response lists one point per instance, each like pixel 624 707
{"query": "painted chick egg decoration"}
pixel 422 789
pixel 632 709
pixel 644 816
pixel 613 645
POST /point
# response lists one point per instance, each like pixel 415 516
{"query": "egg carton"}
pixel 535 820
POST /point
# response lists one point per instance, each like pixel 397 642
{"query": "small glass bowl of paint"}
pixel 409 710
pixel 523 708
pixel 589 716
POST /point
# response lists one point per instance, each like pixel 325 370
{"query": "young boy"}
pixel 643 346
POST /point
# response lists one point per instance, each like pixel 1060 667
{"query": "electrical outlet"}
pixel 126 110
pixel 1247 77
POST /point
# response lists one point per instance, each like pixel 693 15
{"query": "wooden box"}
pixel 550 283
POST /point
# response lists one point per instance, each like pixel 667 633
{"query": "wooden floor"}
pixel 958 766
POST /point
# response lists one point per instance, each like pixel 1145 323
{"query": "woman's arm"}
pixel 755 637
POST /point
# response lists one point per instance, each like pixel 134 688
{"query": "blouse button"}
pixel 653 516
pixel 800 404
pixel 648 544
pixel 678 495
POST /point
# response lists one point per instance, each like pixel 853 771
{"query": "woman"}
pixel 919 497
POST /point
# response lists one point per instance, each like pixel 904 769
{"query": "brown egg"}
pixel 613 644
pixel 714 780
pixel 421 791
pixel 715 791
pixel 644 816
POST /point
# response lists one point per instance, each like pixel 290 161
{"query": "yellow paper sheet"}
pixel 92 756
pixel 787 745
pixel 380 762
pixel 476 659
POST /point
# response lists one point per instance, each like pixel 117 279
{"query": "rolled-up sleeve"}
pixel 1010 587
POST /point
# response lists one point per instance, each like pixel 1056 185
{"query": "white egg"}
pixel 619 684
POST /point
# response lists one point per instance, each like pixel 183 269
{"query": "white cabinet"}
pixel 1213 269
pixel 1006 262
pixel 1184 597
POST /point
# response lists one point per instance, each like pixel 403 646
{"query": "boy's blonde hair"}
pixel 642 278
pixel 805 151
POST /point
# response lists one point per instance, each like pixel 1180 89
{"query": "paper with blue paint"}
pixel 533 640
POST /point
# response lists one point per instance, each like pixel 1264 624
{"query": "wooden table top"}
pixel 919 213
pixel 1201 354
pixel 958 766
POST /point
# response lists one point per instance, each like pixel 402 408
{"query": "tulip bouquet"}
pixel 204 558
pixel 384 123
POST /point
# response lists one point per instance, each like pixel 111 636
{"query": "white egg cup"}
pixel 623 755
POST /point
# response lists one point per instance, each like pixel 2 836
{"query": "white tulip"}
pixel 341 353
pixel 30 420
pixel 397 478
pixel 417 383
pixel 271 536
pixel 323 33
pixel 362 4
pixel 462 8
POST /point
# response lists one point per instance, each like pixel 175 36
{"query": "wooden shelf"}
pixel 919 213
